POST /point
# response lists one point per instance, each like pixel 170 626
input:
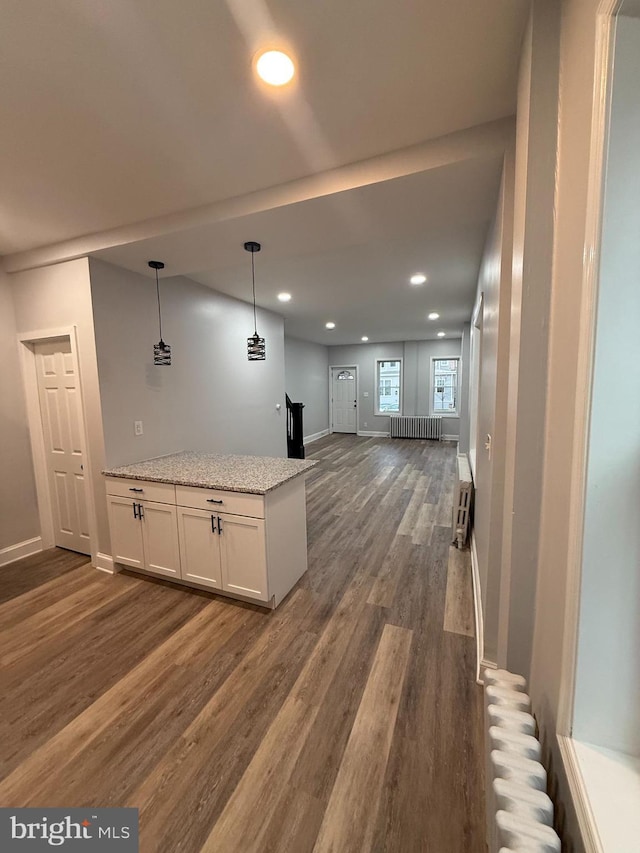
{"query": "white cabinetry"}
pixel 144 534
pixel 245 545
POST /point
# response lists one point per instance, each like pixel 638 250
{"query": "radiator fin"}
pixel 519 812
pixel 415 426
pixel 462 503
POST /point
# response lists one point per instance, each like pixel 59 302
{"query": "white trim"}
pixel 308 439
pixel 376 388
pixel 477 606
pixel 603 77
pixel 456 413
pixel 355 368
pixel 27 341
pixel 104 563
pixel 20 550
pixel 579 795
pixel 369 433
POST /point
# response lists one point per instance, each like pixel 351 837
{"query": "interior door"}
pixel 344 399
pixel 62 425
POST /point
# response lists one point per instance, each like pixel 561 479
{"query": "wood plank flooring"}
pixel 346 720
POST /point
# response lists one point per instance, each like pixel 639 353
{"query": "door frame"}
pixel 353 367
pixel 27 342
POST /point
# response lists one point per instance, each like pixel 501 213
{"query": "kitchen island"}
pixel 234 524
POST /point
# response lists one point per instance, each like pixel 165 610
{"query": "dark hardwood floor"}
pixel 346 720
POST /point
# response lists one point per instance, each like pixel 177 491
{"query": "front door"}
pixel 62 426
pixel 344 400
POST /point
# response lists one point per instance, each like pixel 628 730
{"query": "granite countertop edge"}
pixel 223 482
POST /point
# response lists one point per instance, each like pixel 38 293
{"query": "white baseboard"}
pixel 314 436
pixel 20 550
pixel 477 606
pixel 450 438
pixel 372 434
pixel 104 562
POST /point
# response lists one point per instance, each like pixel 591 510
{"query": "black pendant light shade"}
pixel 256 347
pixel 161 351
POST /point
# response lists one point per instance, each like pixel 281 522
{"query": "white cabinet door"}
pixel 199 547
pixel 244 559
pixel 126 532
pixel 160 539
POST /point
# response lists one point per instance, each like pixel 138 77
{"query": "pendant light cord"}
pixel 253 279
pixel 159 312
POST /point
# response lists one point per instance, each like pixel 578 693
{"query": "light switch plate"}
pixel 137 427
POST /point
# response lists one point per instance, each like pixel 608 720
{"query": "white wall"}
pixel 608 680
pixel 416 367
pixel 19 519
pixel 211 398
pixel 60 296
pixel 307 381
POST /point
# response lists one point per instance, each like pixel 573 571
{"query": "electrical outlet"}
pixel 366 424
pixel 365 394
pixel 137 427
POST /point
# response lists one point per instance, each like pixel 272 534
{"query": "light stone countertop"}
pixel 256 475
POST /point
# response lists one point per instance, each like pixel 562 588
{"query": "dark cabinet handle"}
pixel 213 524
pixel 219 525
pixel 135 509
pixel 141 510
pixel 213 501
pixel 136 490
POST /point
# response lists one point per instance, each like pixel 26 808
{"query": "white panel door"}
pixel 160 538
pixel 244 556
pixel 61 413
pixel 199 547
pixel 344 400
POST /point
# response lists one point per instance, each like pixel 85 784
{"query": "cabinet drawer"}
pixel 236 503
pixel 142 490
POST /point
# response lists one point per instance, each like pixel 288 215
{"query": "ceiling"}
pixel 117 113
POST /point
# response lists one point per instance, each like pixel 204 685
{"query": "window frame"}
pixel 456 412
pixel 376 408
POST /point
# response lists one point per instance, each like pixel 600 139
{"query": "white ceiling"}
pixel 116 113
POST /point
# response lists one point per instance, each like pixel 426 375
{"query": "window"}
pixel 444 383
pixel 388 385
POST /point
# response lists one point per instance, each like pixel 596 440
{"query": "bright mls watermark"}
pixel 80 830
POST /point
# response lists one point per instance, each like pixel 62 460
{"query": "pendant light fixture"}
pixel 161 351
pixel 256 348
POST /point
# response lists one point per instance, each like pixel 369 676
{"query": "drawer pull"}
pixel 213 501
pixel 136 490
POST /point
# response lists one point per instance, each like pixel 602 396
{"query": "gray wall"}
pixel 52 298
pixel 19 519
pixel 609 636
pixel 211 398
pixel 307 381
pixel 416 364
pixel 532 273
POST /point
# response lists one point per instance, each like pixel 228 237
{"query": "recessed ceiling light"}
pixel 441 334
pixel 330 325
pixel 418 278
pixel 275 67
pixel 434 316
pixel 364 338
pixel 284 297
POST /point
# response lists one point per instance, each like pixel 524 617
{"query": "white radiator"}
pixel 415 426
pixel 519 812
pixel 462 502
